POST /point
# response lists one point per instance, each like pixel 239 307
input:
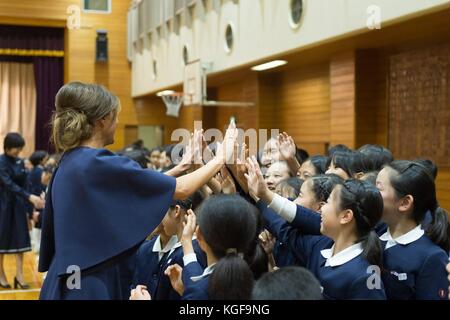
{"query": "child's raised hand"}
pixel 174 273
pixel 267 241
pixel 256 185
pixel 227 184
pixel 287 146
pixel 189 226
pixel 140 293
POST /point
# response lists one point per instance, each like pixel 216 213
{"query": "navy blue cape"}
pixel 99 206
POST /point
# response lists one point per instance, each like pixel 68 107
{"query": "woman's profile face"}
pixel 109 128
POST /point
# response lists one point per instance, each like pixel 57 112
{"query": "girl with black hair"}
pixel 14 204
pixel 343 257
pixel 414 255
pixel 377 155
pixel 415 258
pixel 351 164
pixel 313 195
pixel 156 255
pixel 313 166
pixel 226 230
pixel 289 188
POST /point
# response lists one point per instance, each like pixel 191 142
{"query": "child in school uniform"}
pixel 414 257
pixel 155 256
pixel 342 258
pixel 148 257
pixel 350 164
pixel 313 166
pixel 36 187
pixel 314 193
pixel 226 230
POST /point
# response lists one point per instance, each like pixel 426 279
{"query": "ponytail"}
pixel 372 249
pixel 439 229
pixel 231 279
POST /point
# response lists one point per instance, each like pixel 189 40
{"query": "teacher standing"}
pixel 100 206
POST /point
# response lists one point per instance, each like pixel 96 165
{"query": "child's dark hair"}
pixel 301 155
pixel 257 260
pixel 159 149
pixel 319 163
pixel 366 203
pixel 228 225
pixel 185 204
pixel 37 157
pixel 293 184
pixel 351 162
pixel 138 156
pixel 338 148
pixel 377 155
pixel 430 165
pixel 13 140
pixel 412 178
pixel 323 184
pixel 370 177
pixel 290 283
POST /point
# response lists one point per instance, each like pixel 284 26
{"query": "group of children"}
pixel 353 224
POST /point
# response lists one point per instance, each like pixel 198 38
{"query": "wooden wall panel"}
pixel 371 98
pixel 419 100
pixel 343 99
pixel 245 90
pixel 303 106
pixel 443 187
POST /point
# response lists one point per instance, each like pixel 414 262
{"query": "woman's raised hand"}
pixel 225 150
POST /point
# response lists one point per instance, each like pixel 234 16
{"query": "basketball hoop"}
pixel 173 102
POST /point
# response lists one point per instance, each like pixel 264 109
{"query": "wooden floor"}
pixel 32 277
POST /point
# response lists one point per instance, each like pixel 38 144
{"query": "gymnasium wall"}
pixel 268 33
pixel 80 47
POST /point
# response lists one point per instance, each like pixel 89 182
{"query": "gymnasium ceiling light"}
pixel 269 65
pixel 165 93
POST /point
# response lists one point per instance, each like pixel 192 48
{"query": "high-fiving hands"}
pixel 256 185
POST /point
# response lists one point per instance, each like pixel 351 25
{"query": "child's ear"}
pixel 406 204
pixel 359 175
pixel 346 216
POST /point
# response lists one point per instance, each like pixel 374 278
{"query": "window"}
pixel 229 38
pixel 155 69
pixel 296 13
pixel 97 6
pixel 185 55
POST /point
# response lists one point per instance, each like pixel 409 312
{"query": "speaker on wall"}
pixel 101 52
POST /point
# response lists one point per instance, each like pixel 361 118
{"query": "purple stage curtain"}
pixel 48 71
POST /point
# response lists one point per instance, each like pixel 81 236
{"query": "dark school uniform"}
pixel 195 280
pixel 36 187
pixel 415 267
pixel 152 262
pixel 343 276
pixel 14 206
